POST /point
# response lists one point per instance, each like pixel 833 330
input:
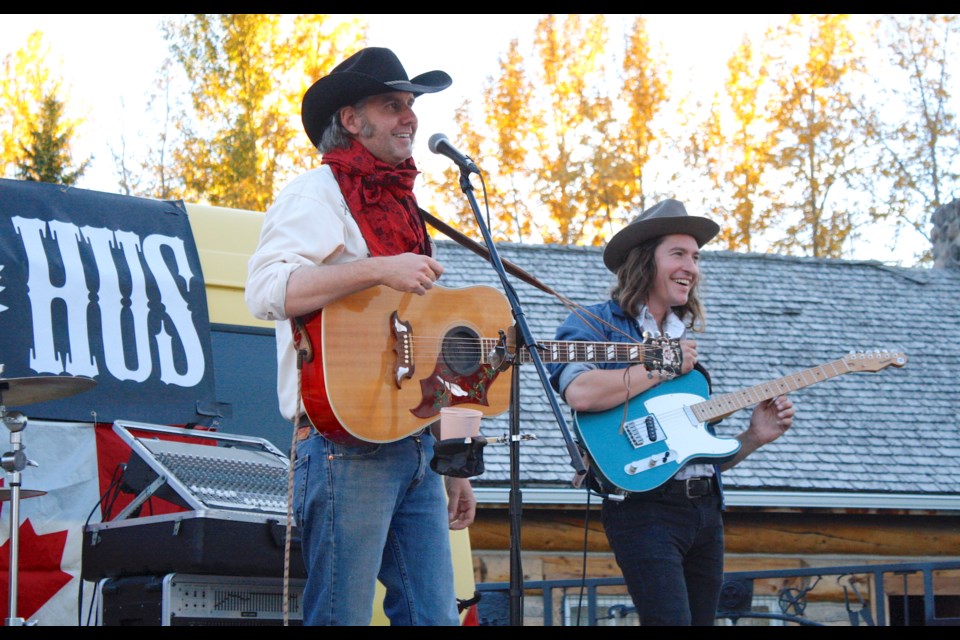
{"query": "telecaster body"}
pixel 658 436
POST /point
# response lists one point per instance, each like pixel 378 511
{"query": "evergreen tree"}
pixel 47 157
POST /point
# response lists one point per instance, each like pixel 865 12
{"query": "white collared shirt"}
pixel 673 328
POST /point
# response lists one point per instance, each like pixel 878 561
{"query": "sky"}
pixel 110 61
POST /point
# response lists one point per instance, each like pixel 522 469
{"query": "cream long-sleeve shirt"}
pixel 309 223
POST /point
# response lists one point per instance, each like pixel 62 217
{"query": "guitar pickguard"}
pixel 446 388
pixel 460 375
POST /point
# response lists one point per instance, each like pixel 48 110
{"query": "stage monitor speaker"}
pixel 180 600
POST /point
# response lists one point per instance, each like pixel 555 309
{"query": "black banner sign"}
pixel 107 287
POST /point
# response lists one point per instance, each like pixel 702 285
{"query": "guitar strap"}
pixel 484 253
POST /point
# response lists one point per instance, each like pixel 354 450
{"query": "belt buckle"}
pixel 689 482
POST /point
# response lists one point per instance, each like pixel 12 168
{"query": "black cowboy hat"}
pixel 366 73
pixel 662 219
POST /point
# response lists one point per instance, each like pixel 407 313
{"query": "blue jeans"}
pixel 670 550
pixel 368 512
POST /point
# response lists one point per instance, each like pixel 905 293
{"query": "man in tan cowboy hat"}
pixel 665 527
pixel 366 510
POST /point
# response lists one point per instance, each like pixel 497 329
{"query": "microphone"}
pixel 439 144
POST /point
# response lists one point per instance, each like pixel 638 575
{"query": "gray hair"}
pixel 336 136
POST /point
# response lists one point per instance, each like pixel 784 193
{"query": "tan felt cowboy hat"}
pixel 368 72
pixel 662 219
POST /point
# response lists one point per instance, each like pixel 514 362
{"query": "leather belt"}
pixel 691 487
pixel 306 428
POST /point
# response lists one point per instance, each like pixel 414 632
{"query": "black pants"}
pixel 670 550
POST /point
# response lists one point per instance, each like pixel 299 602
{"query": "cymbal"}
pixel 20 391
pixel 7 494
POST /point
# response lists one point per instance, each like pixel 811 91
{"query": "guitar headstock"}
pixel 874 360
pixel 662 355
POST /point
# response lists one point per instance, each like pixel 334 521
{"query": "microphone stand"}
pixel 524 340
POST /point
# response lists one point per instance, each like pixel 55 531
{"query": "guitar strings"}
pixel 434 345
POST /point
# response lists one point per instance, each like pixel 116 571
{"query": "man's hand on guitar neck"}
pixel 770 420
pixel 688 355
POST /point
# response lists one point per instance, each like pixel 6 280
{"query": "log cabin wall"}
pixel 552 540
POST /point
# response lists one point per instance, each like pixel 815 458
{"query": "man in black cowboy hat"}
pixel 366 510
pixel 667 537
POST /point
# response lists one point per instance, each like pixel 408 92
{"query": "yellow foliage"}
pixel 27 80
pixel 241 135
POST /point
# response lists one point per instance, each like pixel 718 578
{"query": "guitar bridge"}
pixel 643 431
pixel 403 348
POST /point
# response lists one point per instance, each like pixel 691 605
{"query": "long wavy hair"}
pixel 635 279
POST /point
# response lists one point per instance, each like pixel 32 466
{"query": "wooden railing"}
pixel 901 594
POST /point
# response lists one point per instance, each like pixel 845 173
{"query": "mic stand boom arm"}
pixel 524 340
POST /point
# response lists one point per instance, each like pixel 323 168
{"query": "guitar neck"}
pixel 726 404
pixel 562 351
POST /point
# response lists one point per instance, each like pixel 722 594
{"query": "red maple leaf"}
pixel 38 571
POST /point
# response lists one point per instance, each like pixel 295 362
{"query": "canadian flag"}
pixel 50 538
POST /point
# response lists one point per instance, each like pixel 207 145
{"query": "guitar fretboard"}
pixel 725 404
pixel 561 351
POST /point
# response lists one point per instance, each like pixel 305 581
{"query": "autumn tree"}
pixel 919 137
pixel 542 117
pixel 510 117
pixel 152 174
pixel 606 177
pixel 513 115
pixel 46 155
pixel 241 135
pixel 35 130
pixel 565 162
pixel 819 152
pixel 734 146
pixel 572 74
pixel 643 92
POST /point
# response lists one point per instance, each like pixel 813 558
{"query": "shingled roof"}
pixel 893 431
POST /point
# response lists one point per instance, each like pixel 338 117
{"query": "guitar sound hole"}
pixel 461 351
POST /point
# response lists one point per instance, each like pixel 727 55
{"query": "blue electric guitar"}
pixel 639 446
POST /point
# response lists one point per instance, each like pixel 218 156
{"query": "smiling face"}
pixel 677 259
pixel 385 124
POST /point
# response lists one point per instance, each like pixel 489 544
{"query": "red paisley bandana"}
pixel 381 199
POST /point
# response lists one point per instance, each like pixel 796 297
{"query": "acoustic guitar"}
pixel 383 363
